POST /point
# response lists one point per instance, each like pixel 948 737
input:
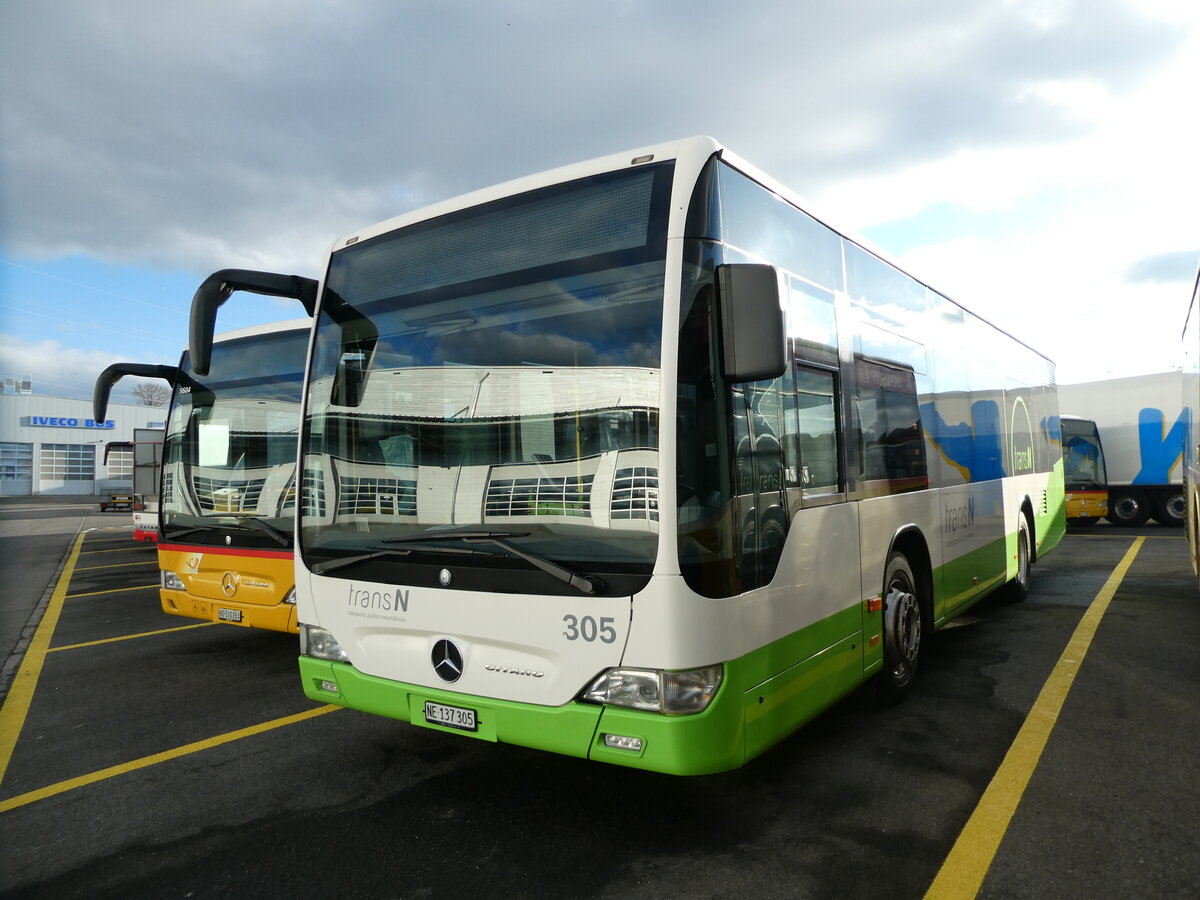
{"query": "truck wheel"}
pixel 1169 508
pixel 901 631
pixel 1128 509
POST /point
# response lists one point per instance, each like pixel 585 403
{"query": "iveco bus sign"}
pixel 65 422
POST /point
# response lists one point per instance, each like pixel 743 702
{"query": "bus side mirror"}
pixel 115 372
pixel 215 290
pixel 753 334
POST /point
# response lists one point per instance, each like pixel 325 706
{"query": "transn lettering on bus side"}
pixel 363 598
pixel 960 517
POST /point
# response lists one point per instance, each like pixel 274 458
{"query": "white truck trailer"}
pixel 1143 425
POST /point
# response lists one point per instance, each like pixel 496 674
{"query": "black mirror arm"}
pixel 215 290
pixel 117 371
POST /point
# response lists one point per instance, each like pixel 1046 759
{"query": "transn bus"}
pixel 639 460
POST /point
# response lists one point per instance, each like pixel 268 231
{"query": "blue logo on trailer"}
pixel 1160 449
pixel 975 449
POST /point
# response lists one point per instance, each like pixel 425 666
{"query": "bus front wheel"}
pixel 901 630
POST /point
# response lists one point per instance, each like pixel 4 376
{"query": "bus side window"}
pixel 820 470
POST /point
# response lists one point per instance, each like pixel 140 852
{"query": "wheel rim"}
pixel 907 629
pixel 1126 508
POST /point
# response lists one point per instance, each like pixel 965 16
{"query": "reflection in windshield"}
pixel 230 452
pixel 497 368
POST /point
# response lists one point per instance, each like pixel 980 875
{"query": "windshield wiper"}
pixel 281 537
pixel 377 551
pixel 243 524
pixel 330 564
pixel 586 584
pixel 170 535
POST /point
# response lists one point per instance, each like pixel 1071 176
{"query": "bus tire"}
pixel 1018 589
pixel 901 630
pixel 1169 508
pixel 1130 508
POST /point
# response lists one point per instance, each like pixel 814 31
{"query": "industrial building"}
pixel 51 445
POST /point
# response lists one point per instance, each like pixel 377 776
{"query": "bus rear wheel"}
pixel 901 630
pixel 1018 589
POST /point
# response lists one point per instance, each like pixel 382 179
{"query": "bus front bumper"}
pixel 280 617
pixel 707 742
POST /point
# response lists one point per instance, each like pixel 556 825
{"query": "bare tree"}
pixel 150 394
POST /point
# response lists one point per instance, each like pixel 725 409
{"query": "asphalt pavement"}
pixel 35 534
pixel 162 758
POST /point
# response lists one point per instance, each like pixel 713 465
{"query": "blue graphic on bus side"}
pixel 1052 429
pixel 1160 450
pixel 976 449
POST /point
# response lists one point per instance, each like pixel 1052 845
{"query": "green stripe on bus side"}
pixel 967 578
pixel 769 661
pixel 1050 521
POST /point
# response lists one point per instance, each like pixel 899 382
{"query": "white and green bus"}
pixel 637 460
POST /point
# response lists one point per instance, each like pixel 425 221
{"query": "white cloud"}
pixel 231 135
pixel 62 371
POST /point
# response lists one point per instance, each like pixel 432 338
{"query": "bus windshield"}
pixel 230 449
pixel 1083 458
pixel 494 371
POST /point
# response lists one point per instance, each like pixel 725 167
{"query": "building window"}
pixel 16 462
pixel 119 463
pixel 68 462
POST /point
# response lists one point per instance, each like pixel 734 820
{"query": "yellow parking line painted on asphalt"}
pixel 20 694
pixel 1118 537
pixel 139 562
pixel 167 755
pixel 117 549
pixel 130 637
pixel 140 587
pixel 963 871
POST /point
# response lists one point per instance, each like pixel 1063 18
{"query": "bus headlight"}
pixel 171 581
pixel 290 597
pixel 673 693
pixel 320 644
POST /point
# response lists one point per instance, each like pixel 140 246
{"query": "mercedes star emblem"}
pixel 447 660
pixel 229 584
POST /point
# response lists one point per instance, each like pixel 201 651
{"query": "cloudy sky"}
pixel 1036 159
